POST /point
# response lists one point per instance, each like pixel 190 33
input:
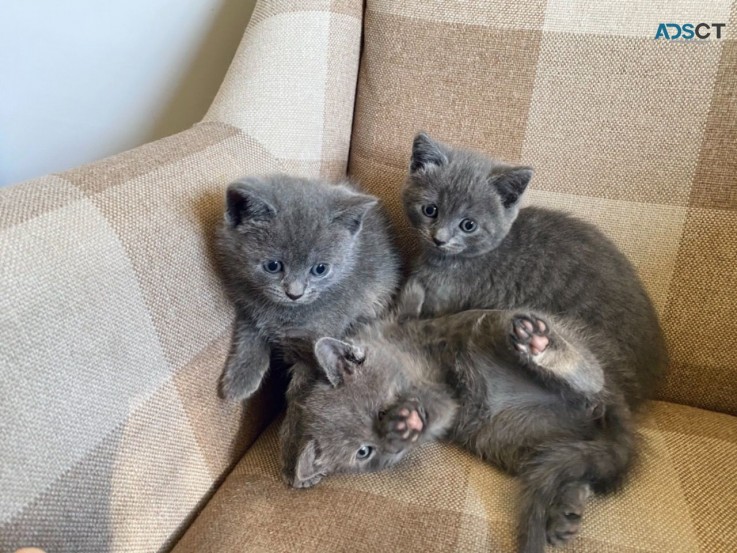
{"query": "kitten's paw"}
pixel 530 335
pixel 403 422
pixel 295 482
pixel 410 302
pixel 564 517
pixel 238 382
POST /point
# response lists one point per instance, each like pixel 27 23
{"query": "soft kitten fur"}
pixel 480 378
pixel 277 231
pixel 525 258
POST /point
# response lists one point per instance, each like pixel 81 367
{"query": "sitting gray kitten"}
pixel 300 259
pixel 394 386
pixel 480 250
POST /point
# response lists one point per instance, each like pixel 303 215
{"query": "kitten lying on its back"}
pixel 301 259
pixel 394 386
pixel 480 250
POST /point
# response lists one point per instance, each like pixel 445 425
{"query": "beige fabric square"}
pixel 21 203
pixel 516 15
pixel 633 18
pixel 159 475
pixel 648 234
pixel 79 350
pixel 168 238
pixel 280 89
pixel 224 429
pixel 619 118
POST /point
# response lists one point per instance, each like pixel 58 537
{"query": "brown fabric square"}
pixel 100 175
pixel 715 181
pixel 444 78
pixel 701 310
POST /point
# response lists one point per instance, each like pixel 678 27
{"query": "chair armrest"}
pixel 113 323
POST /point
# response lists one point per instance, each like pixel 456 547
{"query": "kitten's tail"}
pixel 553 468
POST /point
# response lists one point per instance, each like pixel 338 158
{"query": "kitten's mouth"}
pixel 445 249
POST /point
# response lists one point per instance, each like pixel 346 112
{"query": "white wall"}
pixel 83 79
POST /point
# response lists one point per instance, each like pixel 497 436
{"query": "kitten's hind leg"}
pixel 555 351
pixel 246 366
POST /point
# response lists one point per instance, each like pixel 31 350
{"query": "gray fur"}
pixel 543 260
pixel 470 378
pixel 530 257
pixel 560 416
pixel 300 223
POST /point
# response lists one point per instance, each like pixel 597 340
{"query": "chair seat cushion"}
pixel 682 497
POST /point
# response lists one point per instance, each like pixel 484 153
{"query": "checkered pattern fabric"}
pixel 634 134
pixel 113 324
pixel 681 499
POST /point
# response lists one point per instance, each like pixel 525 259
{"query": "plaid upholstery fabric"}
pixel 636 135
pixel 682 498
pixel 113 324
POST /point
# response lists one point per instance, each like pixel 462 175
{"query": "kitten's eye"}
pixel 468 225
pixel 364 452
pixel 273 266
pixel 430 210
pixel 320 270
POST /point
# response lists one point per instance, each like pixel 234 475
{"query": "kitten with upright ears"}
pixel 300 259
pixel 480 250
pixel 394 386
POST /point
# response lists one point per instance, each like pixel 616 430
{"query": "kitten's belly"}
pixel 505 414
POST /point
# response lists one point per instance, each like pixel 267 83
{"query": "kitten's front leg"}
pixel 411 299
pixel 247 363
pixel 557 352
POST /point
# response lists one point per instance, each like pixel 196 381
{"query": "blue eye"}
pixel 430 210
pixel 468 225
pixel 320 270
pixel 273 266
pixel 364 452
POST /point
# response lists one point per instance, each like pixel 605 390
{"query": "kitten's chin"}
pixel 288 302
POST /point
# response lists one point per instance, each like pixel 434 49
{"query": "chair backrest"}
pixel 635 133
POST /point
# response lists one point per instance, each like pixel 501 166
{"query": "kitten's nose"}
pixel 294 290
pixel 440 237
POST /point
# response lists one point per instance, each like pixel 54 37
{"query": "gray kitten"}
pixel 480 250
pixel 301 259
pixel 481 378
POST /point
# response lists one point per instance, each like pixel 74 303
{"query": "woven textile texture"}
pixel 113 324
pixel 681 499
pixel 634 134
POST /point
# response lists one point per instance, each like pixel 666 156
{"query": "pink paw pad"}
pixel 414 422
pixel 530 335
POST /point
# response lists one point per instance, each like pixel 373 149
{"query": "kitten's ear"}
pixel 244 202
pixel 337 358
pixel 510 183
pixel 425 153
pixel 307 471
pixel 352 209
